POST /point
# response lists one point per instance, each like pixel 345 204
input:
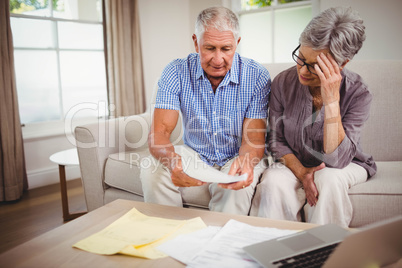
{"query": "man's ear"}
pixel 195 43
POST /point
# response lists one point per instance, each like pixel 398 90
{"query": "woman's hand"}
pixel 330 75
pixel 309 186
pixel 331 78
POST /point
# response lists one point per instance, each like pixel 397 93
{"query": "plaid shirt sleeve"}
pixel 167 96
pixel 258 107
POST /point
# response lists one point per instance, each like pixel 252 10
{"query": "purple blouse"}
pixel 294 129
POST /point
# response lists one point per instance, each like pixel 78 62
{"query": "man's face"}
pixel 216 50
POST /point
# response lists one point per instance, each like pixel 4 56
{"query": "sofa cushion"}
pixel 122 171
pixel 196 196
pixel 378 198
pixel 387 181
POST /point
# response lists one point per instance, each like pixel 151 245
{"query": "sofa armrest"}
pixel 95 142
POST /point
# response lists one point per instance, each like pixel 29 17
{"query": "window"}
pixel 59 59
pixel 270 30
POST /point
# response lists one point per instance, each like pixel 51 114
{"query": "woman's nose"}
pixel 304 69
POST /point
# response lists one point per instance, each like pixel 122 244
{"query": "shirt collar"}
pixel 234 70
pixel 199 71
pixel 232 75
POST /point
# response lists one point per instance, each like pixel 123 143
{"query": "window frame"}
pixel 236 6
pixel 63 126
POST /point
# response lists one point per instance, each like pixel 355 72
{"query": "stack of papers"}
pixel 188 241
pixel 138 235
pixel 220 246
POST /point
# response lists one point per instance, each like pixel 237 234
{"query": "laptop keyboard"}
pixel 314 258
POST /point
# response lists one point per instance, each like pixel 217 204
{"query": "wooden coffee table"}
pixel 54 248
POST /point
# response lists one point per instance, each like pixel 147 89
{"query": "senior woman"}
pixel 316 113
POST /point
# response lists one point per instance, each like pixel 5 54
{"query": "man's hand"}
pixel 250 153
pixel 309 186
pixel 179 178
pixel 164 121
pixel 240 166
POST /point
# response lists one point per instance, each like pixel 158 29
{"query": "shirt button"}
pixel 213 112
pixel 215 133
pixel 211 92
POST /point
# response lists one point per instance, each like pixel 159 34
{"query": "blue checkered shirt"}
pixel 213 122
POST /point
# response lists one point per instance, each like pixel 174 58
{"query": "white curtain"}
pixel 123 57
pixel 13 178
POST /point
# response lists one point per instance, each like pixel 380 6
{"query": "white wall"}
pixel 40 170
pixel 383 23
pixel 164 36
pixel 166 29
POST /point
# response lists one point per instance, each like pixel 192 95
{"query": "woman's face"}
pixel 309 56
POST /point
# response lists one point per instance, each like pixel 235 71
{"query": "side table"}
pixel 63 159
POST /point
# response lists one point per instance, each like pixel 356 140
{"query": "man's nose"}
pixel 218 57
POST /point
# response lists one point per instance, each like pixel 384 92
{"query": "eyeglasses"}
pixel 301 62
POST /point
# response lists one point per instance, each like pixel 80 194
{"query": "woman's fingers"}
pixel 335 65
pixel 325 65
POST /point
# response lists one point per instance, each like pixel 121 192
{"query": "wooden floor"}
pixel 38 211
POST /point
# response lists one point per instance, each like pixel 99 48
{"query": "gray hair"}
pixel 220 18
pixel 338 29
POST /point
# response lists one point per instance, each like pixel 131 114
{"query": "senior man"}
pixel 223 99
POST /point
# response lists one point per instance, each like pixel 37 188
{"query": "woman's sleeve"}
pixel 357 113
pixel 277 143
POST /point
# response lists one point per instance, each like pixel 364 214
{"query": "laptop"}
pixel 329 245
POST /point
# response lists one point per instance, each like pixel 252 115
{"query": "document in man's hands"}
pixel 207 173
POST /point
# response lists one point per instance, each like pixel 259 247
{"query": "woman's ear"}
pixel 343 64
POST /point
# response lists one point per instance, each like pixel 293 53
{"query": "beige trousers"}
pixel 158 187
pixel 280 195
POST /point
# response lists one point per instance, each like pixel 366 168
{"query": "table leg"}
pixel 64 197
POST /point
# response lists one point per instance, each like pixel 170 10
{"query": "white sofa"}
pixel 110 151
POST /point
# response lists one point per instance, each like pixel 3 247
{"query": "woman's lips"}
pixel 304 78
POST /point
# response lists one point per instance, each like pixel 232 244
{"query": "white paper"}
pixel 206 173
pixel 185 247
pixel 224 249
pixel 195 167
pixel 216 176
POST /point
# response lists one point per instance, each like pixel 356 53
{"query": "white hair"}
pixel 338 29
pixel 219 18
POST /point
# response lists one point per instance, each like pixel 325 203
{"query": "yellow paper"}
pixel 136 234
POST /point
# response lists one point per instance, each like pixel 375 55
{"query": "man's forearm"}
pixel 253 152
pixel 162 149
pixel 253 142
